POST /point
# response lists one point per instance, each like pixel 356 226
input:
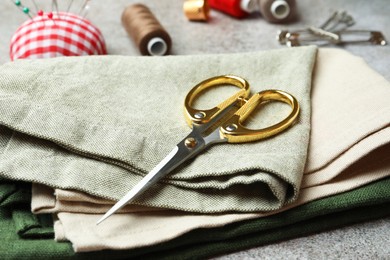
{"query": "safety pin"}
pixel 293 39
pixel 310 36
pixel 332 31
pixel 340 38
pixel 361 36
pixel 338 18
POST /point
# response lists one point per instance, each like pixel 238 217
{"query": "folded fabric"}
pixel 24 235
pixel 47 200
pixel 369 202
pixel 140 229
pixel 90 124
pixel 264 231
pixel 365 158
pixel 351 113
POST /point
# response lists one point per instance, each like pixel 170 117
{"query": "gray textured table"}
pixel 223 34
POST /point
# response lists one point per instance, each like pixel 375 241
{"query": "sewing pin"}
pixel 35 5
pixel 69 6
pixel 26 10
pixel 23 8
pixel 51 17
pixel 86 9
pixel 84 6
pixel 55 4
pixel 341 21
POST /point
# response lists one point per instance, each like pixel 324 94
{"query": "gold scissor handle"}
pixel 233 130
pixel 203 116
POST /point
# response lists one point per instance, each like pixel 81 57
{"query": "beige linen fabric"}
pixel 89 123
pixel 357 111
pixel 137 229
pixel 357 163
pixel 47 200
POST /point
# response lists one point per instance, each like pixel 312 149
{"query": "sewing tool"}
pixel 23 8
pixel 213 126
pixel 69 6
pixel 196 10
pixel 55 4
pixel 55 34
pixel 337 22
pixel 147 32
pixel 337 38
pixel 333 31
pixel 84 8
pixel 35 5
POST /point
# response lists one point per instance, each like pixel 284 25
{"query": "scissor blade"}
pixel 177 156
pixel 147 181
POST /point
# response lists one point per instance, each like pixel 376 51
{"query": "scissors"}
pixel 215 125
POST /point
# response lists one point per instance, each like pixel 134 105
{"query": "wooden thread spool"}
pixel 278 11
pixel 146 31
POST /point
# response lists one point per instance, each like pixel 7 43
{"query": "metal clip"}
pixel 361 36
pixel 337 38
pixel 332 31
pixel 338 21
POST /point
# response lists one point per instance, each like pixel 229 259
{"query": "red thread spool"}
pixel 231 7
pixel 64 34
pixel 274 11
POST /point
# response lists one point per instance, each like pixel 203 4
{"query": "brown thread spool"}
pixel 278 11
pixel 146 31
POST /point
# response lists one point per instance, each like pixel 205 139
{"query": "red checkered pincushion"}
pixel 63 34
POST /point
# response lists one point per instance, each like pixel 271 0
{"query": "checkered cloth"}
pixel 64 35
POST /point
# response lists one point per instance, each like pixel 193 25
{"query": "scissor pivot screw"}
pixel 199 115
pixel 190 142
pixel 231 127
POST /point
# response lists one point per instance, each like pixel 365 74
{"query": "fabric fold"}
pixel 91 122
pixel 43 133
pixel 362 162
pixel 365 203
pixel 146 228
pixel 353 112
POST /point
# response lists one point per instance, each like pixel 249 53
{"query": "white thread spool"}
pixel 280 9
pixel 249 6
pixel 157 47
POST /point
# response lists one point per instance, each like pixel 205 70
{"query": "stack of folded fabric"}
pixel 83 132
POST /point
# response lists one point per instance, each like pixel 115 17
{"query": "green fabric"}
pixel 23 235
pixel 311 226
pixel 368 202
pixel 98 124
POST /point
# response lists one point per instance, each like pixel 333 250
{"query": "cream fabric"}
pixel 48 200
pixel 343 165
pixel 137 229
pixel 89 123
